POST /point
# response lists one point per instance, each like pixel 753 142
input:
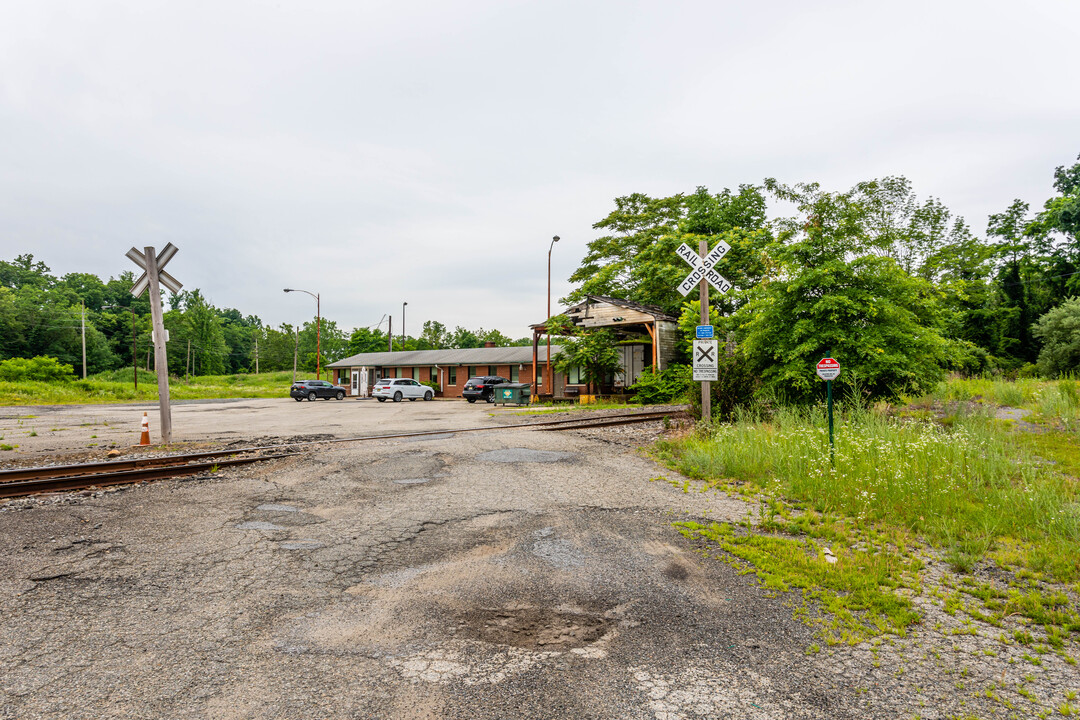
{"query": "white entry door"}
pixel 355 382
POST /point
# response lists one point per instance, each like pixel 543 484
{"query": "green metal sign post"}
pixel 827 369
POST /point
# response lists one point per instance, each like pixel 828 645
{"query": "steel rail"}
pixel 600 422
pixel 19 488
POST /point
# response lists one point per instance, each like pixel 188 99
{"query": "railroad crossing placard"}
pixel 706 367
pixel 703 268
pixel 828 369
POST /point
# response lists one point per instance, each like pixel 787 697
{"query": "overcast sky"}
pixel 386 152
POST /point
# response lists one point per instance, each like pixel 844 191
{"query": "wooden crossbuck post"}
pixel 153 277
pixel 703 294
pixel 161 357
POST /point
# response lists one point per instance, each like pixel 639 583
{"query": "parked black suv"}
pixel 311 389
pixel 482 388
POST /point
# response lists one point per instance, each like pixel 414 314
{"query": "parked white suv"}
pixel 397 388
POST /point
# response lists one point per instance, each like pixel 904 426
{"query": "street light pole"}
pixel 403 324
pixel 318 330
pixel 547 323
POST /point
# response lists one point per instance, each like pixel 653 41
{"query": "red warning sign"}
pixel 828 369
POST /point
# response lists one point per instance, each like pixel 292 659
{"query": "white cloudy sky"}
pixel 381 152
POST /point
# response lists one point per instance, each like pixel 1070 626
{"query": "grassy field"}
pixel 938 477
pixel 118 387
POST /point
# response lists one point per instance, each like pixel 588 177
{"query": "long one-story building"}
pixel 447 369
pixel 646 337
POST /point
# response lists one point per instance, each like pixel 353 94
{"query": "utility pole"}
pixel 83 324
pixel 390 335
pixel 256 353
pixel 187 362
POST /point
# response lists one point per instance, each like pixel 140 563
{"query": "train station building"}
pixel 645 336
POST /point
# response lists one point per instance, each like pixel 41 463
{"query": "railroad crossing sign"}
pixel 152 278
pixel 164 278
pixel 828 369
pixel 705 360
pixel 703 268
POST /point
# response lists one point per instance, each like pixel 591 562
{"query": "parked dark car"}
pixel 482 388
pixel 311 389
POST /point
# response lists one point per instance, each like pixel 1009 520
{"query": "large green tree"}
pixel 838 290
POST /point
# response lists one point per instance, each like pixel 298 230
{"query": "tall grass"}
pixel 963 486
pixel 117 386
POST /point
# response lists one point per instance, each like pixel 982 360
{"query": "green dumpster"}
pixel 516 393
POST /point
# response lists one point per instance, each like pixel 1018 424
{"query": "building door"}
pixel 355 382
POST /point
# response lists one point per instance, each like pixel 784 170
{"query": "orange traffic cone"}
pixel 145 439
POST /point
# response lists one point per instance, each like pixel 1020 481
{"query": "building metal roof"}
pixel 457 356
pixel 653 310
pixel 656 312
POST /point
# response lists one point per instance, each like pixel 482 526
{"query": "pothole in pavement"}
pixel 535 628
pixel 516 455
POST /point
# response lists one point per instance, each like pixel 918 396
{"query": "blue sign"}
pixel 705 331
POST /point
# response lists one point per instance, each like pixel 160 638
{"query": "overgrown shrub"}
pixel 40 369
pixel 1059 331
pixel 733 390
pixel 668 386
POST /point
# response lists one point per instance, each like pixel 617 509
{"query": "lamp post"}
pixel 547 323
pixel 403 324
pixel 134 349
pixel 318 331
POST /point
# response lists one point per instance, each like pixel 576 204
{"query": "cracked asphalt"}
pixel 489 575
pixel 501 574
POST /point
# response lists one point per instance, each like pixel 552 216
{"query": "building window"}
pixel 573 376
pixel 472 371
pixel 492 370
pixel 451 375
pixel 513 373
pixel 400 373
pixel 416 373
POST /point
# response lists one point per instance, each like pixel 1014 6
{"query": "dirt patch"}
pixel 535 628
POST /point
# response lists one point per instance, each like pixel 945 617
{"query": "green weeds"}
pixel 974 489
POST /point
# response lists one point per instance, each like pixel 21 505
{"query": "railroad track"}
pixel 17 482
pixel 33 481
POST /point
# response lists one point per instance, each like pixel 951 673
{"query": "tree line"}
pixel 898 288
pixel 42 315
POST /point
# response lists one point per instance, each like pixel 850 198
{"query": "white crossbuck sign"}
pixel 164 278
pixel 704 268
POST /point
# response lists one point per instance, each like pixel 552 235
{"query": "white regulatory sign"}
pixel 705 360
pixel 703 269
